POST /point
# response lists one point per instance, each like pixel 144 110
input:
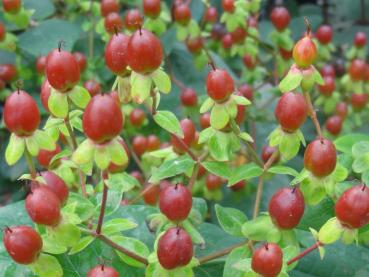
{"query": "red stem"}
pixel 104 176
pixel 305 252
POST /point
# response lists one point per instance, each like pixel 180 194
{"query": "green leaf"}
pixel 219 117
pixel 245 172
pixel 82 206
pixel 245 266
pixel 117 225
pixel 161 80
pixel 345 143
pixel 169 122
pixel 44 141
pixel 221 169
pixel 360 148
pixel 291 81
pixel 219 146
pixel 231 220
pixel 58 103
pixel 193 232
pixel 134 245
pixel 65 234
pixel 51 247
pixel 32 145
pixel 330 232
pixel 117 153
pixel 46 266
pixel 207 105
pixel 206 134
pixel 15 149
pixel 280 169
pixel 361 164
pixel 79 96
pixel 289 145
pixel 122 181
pixel 84 152
pixel 237 255
pixel 317 77
pixel 241 100
pixel 81 244
pixel 246 137
pixel 140 87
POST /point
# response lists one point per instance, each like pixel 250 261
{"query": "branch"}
pixel 220 253
pixel 31 165
pixel 312 114
pixel 193 178
pixel 305 252
pixel 104 176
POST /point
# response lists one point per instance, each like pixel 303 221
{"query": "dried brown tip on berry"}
pixel 61 43
pixel 211 63
pixel 308 26
pixel 19 85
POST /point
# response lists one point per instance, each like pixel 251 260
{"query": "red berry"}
pixel 205 120
pixel 334 125
pixel 12 6
pixel 304 52
pixel 116 54
pixel 189 131
pixel 8 72
pixel 188 97
pixel 137 117
pixel 62 70
pixel 133 20
pixel 285 54
pixel 109 6
pixel 213 182
pixel 2 32
pixel 238 35
pixel 360 39
pixel 211 15
pixel 341 109
pixel 23 243
pixel 139 145
pixel 41 64
pixel 21 115
pixel 115 96
pixel 194 45
pixel 238 186
pixel 151 195
pixel 44 157
pixel 175 248
pixel 328 70
pixel 81 60
pixel 57 185
pixel 329 86
pixel 140 57
pixel 113 23
pixel 357 70
pixel 286 207
pixel 228 5
pixel 247 91
pixel 219 85
pixel 320 157
pixel 114 168
pixel 43 206
pixel 102 119
pixel 217 31
pixel 151 8
pixel 45 94
pixel 267 152
pixel 93 87
pixel 252 21
pixel 324 34
pixel 102 271
pixel 153 143
pixel 249 61
pixel 280 18
pixel 291 111
pixel 267 260
pixel 182 14
pixel 175 202
pixel 227 41
pixel 359 101
pixel 352 208
pixel 240 116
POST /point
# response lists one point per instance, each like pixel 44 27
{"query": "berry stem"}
pixel 313 115
pixel 154 101
pixel 305 252
pixel 220 253
pixel 193 177
pixel 104 177
pixel 31 165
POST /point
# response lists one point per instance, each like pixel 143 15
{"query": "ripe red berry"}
pixel 291 111
pixel 249 61
pixel 267 260
pixel 151 8
pixel 114 168
pixel 137 117
pixel 21 114
pixel 41 64
pixel 328 70
pixel 189 131
pixel 109 6
pixel 116 54
pixel 334 125
pixel 341 109
pixel 324 34
pixel 57 185
pixel 267 152
pixel 213 182
pixel 219 85
pixel 247 91
pixel 240 116
pixel 102 271
pixel 2 32
pixel 357 70
pixel 238 35
pixel 227 41
pixel 175 202
pixel 81 60
pixel 140 57
pixel 45 94
pixel 352 208
pixel 92 87
pixel 188 97
pixel 285 54
pixel 139 145
pixel 359 101
pixel 360 39
pixel 22 243
pixel 228 5
pixel 43 206
pixel 182 14
pixel 175 248
pixel 304 52
pixel 151 195
pixel 286 207
pixel 62 70
pixel 12 6
pixel 102 119
pixel 280 18
pixel 113 23
pixel 45 156
pixel 8 72
pixel 133 20
pixel 205 120
pixel 238 186
pixel 329 86
pixel 211 15
pixel 320 157
pixel 194 45
pixel 153 143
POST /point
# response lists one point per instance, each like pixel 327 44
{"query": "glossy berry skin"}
pixel 285 54
pixel 151 196
pixel 219 85
pixel 267 260
pixel 40 65
pixel 43 206
pixel 114 168
pixel 45 94
pixel 267 152
pixel 188 97
pixel 137 117
pixel 21 114
pixel 133 20
pixel 211 15
pixel 249 61
pixel 81 60
pixel 359 101
pixel 22 243
pixel 153 143
pixel 324 34
pixel 329 86
pixel 352 208
pixel 320 157
pixel 205 121
pixel 151 8
pixel 286 207
pixel 12 6
pixel 102 119
pixel 175 248
pixel 102 271
pixel 62 70
pixel 304 52
pixel 57 185
pixel 109 6
pixel 357 70
pixel 291 111
pixel 8 72
pixel 145 52
pixel 213 182
pixel 328 70
pixel 92 87
pixel 175 202
pixel 182 14
pixel 247 91
pixel 238 35
pixel 360 39
pixel 189 131
pixel 341 109
pixel 280 18
pixel 113 23
pixel 116 54
pixel 139 145
pixel 227 41
pixel 228 6
pixel 44 157
pixel 194 45
pixel 334 125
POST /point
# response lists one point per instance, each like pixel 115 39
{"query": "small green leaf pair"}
pixel 333 230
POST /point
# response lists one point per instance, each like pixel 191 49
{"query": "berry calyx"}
pixel 22 243
pixel 228 6
pixel 211 15
pixel 360 39
pixel 267 260
pixel 280 18
pixel 182 14
pixel 44 157
pixel 114 168
pixel 137 117
pixel 320 157
pixel 334 125
pixel 188 97
pixel 267 152
pixel 213 182
pixel 286 207
pixel 359 101
pixel 151 8
pixel 219 85
pixel 113 23
pixel 12 6
pixel 329 86
pixel 116 54
pixel 175 248
pixel 109 6
pixel 133 20
pixel 304 52
pixel 102 271
pixel 189 131
pixel 92 87
pixel 57 185
pixel 324 34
